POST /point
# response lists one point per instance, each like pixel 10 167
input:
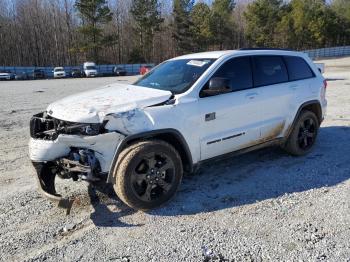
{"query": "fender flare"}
pixel 148 135
pixel 301 107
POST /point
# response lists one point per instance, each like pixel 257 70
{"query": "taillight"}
pixel 325 84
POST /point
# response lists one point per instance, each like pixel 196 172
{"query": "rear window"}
pixel 269 70
pixel 297 68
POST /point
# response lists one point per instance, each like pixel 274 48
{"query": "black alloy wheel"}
pixel 153 177
pixel 303 135
pixel 147 174
pixel 307 134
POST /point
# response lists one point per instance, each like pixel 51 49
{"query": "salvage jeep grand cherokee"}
pixel 143 137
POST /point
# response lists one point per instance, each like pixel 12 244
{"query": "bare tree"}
pixel 45 32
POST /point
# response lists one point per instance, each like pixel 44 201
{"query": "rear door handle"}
pixel 251 95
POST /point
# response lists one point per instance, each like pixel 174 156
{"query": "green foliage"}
pixel 136 57
pixel 147 21
pixel 262 16
pixel 201 32
pixel 199 26
pixel 94 13
pixel 221 23
pixel 298 24
pixel 182 25
pixel 341 9
pixel 309 23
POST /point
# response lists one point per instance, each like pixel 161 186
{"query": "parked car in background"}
pixel 6 75
pixel 37 74
pixel 119 71
pixel 58 72
pixel 145 69
pixel 90 69
pixel 76 72
pixel 21 76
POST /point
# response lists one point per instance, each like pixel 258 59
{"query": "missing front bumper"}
pixel 46 180
pixel 46 173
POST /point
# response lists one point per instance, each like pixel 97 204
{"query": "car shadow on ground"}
pixel 108 209
pixel 335 79
pixel 246 179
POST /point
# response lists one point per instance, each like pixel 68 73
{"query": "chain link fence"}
pixel 134 69
pixel 329 52
pixel 103 70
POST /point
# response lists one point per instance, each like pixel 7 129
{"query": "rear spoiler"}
pixel 320 67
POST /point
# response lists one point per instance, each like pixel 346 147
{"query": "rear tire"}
pixel 304 133
pixel 147 174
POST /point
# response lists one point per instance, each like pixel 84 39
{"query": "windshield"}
pixel 176 76
pixel 91 68
pixel 59 69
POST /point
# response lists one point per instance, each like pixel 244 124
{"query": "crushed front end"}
pixel 76 151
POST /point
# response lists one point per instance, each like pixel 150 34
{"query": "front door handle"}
pixel 210 116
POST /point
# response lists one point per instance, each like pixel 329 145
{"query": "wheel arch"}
pixel 313 106
pixel 171 136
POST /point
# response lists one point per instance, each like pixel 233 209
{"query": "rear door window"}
pixel 238 71
pixel 269 70
pixel 297 68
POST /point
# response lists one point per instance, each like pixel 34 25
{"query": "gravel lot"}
pixel 262 206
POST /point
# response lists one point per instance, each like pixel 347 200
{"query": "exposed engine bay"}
pixel 43 126
pixel 80 164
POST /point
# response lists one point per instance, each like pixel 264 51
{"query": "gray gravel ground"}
pixel 262 206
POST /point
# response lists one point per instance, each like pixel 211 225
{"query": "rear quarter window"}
pixel 269 70
pixel 298 68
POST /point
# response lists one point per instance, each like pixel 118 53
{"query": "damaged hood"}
pixel 93 106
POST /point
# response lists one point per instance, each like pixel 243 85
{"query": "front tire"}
pixel 148 174
pixel 303 136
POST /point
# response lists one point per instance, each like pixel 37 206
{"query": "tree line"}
pixel 69 32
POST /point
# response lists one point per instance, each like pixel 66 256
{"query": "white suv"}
pixel 190 109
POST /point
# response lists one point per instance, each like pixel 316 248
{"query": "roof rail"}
pixel 265 48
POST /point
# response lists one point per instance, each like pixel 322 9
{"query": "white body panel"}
pixel 242 119
pixel 321 67
pixel 93 106
pixel 234 127
pixel 104 145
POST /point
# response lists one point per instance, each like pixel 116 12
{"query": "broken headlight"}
pixel 43 126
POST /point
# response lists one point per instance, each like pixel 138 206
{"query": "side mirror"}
pixel 217 86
